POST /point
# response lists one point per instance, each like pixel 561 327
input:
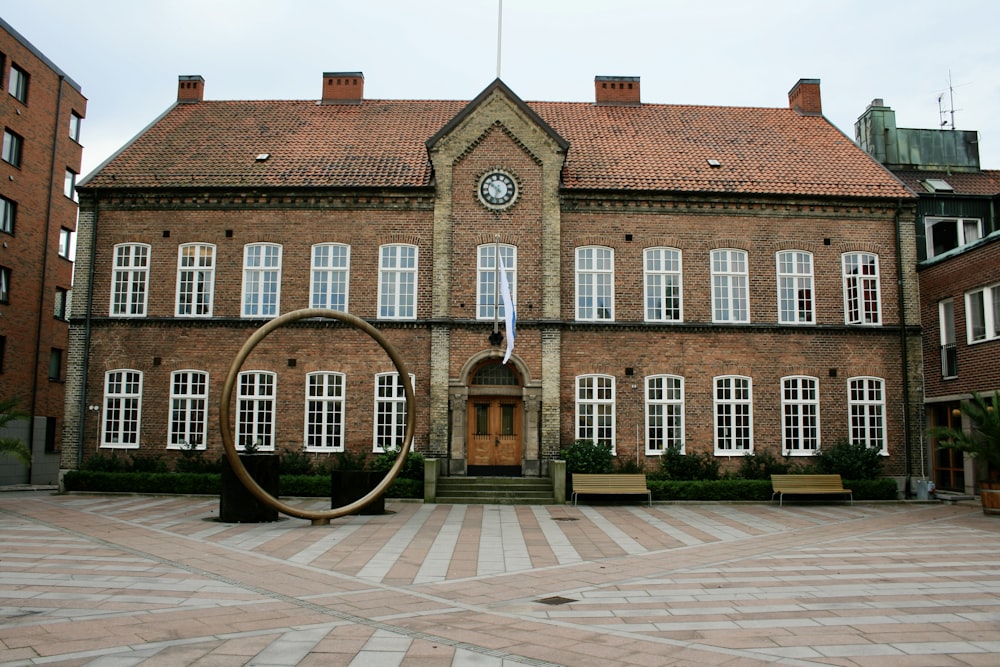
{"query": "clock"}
pixel 497 189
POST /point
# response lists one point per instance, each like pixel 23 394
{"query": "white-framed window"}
pixel 18 85
pixel 65 242
pixel 61 308
pixel 945 234
pixel 69 184
pixel 122 412
pixel 261 280
pixel 862 303
pixel 12 145
pixel 662 284
pixel 866 406
pixel 595 409
pixel 733 404
pixel 129 283
pixel 397 283
pixel 595 284
pixel 188 410
pixel 255 410
pixel 324 412
pixel 8 214
pixel 730 295
pixel 949 350
pixel 982 314
pixel 664 413
pixel 331 266
pixel 800 415
pixel 487 289
pixel 195 279
pixel 795 287
pixel 75 123
pixel 390 411
pixel 4 284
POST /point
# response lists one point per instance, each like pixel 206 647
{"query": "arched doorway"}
pixel 494 421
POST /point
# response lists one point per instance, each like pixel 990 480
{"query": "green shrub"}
pixel 849 460
pixel 412 469
pixel 761 465
pixel 147 462
pixel 195 461
pixel 627 466
pixel 587 457
pixel 348 461
pixel 693 466
pixel 100 462
pixel 294 462
pixel 723 489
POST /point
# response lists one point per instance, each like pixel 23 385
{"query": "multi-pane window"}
pixel 982 312
pixel 733 415
pixel 488 295
pixel 69 184
pixel 8 214
pixel 944 234
pixel 595 283
pixel 255 413
pixel 65 242
pixel 662 284
pixel 800 415
pixel 664 413
pixel 795 287
pixel 866 405
pixel 195 280
pixel 19 84
pixel 122 409
pixel 595 409
pixel 12 144
pixel 75 123
pixel 130 280
pixel 61 308
pixel 331 263
pixel 261 280
pixel 730 296
pixel 4 284
pixel 55 364
pixel 862 304
pixel 949 352
pixel 390 411
pixel 188 410
pixel 325 412
pixel 397 283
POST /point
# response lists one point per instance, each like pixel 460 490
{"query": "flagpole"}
pixel 499 35
pixel 496 286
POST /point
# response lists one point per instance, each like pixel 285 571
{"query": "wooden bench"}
pixel 615 483
pixel 783 485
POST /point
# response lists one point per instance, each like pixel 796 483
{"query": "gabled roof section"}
pixel 978 184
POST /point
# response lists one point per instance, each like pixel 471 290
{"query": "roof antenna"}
pixel 499 35
pixel 943 120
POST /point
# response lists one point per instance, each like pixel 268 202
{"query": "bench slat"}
pixel 783 485
pixel 595 483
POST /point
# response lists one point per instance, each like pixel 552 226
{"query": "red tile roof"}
pixel 381 144
pixel 986 182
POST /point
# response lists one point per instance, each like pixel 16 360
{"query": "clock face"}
pixel 497 189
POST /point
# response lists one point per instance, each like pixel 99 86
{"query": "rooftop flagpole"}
pixel 499 34
pixel 496 286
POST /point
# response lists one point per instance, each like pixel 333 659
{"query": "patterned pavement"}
pixel 143 580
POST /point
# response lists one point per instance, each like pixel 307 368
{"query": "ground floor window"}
pixel 255 416
pixel 188 409
pixel 595 409
pixel 800 415
pixel 866 401
pixel 664 413
pixel 325 412
pixel 390 412
pixel 122 409
pixel 733 415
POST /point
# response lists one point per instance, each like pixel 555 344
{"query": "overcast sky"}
pixel 127 54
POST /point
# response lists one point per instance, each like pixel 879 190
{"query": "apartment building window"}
pixel 730 296
pixel 595 409
pixel 75 123
pixel 862 304
pixel 3 348
pixel 195 280
pixel 188 409
pixel 8 214
pixel 261 280
pixel 949 351
pixel 397 285
pixel 664 413
pixel 945 234
pixel 487 288
pixel 65 242
pixel 12 145
pixel 866 403
pixel 390 411
pixel 69 184
pixel 800 415
pixel 18 86
pixel 255 412
pixel 662 284
pixel 595 284
pixel 325 412
pixel 4 284
pixel 130 281
pixel 55 364
pixel 122 409
pixel 795 287
pixel 733 405
pixel 61 309
pixel 982 309
pixel 331 264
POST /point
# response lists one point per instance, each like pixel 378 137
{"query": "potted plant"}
pixel 236 503
pixel 982 442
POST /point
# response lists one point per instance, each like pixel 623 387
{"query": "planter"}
pixel 346 486
pixel 236 503
pixel 989 496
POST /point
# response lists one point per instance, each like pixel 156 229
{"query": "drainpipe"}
pixel 902 340
pixel 85 370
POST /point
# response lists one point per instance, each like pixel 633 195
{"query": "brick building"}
pixel 41 110
pixel 721 279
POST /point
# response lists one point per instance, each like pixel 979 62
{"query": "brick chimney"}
pixel 190 89
pixel 616 91
pixel 804 98
pixel 343 88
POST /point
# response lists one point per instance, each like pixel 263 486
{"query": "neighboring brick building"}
pixel 723 279
pixel 41 110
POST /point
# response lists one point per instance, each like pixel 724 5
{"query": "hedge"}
pixel 757 489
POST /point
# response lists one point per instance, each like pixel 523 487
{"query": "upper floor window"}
pixel 75 123
pixel 65 242
pixel 4 284
pixel 730 296
pixel 12 145
pixel 944 234
pixel 331 264
pixel 662 284
pixel 733 415
pixel 130 280
pixel 69 184
pixel 862 304
pixel 195 279
pixel 325 412
pixel 949 352
pixel 61 309
pixel 595 409
pixel 188 410
pixel 800 415
pixel 866 403
pixel 55 364
pixel 19 84
pixel 795 287
pixel 595 283
pixel 397 284
pixel 8 214
pixel 488 295
pixel 255 410
pixel 122 409
pixel 390 411
pixel 664 413
pixel 261 280
pixel 982 309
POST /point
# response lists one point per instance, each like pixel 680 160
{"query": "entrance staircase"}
pixel 495 491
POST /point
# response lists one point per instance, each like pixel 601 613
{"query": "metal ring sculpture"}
pixel 317 517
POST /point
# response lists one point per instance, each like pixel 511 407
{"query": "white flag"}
pixel 510 318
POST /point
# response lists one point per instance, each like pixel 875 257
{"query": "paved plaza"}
pixel 157 580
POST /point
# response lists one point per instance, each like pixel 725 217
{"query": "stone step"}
pixel 495 490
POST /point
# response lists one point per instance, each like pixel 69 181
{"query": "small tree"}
pixel 10 445
pixel 850 460
pixel 586 456
pixel 982 441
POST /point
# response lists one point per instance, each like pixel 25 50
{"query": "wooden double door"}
pixel 494 438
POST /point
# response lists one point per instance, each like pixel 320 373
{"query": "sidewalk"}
pixel 143 580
